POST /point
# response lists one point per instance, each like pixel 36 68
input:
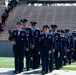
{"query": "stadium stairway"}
pixel 63 16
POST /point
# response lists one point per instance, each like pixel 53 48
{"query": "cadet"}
pixel 73 33
pixel 45 48
pixel 71 45
pixel 35 44
pixel 29 36
pixel 56 45
pixel 18 40
pixel 62 52
pixel 74 53
pixel 51 62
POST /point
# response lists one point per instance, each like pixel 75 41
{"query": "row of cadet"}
pixel 6 13
pixel 50 45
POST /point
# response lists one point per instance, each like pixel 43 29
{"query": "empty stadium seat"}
pixel 63 16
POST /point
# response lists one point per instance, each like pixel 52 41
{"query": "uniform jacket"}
pixel 20 40
pixel 63 44
pixel 56 41
pixel 67 42
pixel 35 37
pixel 46 42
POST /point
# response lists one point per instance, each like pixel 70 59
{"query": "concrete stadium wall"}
pixel 6 49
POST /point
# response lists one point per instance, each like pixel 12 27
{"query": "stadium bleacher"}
pixel 63 16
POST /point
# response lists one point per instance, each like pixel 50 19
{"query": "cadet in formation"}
pixel 70 45
pixel 56 48
pixel 45 48
pixel 35 45
pixel 50 45
pixel 19 40
pixel 29 36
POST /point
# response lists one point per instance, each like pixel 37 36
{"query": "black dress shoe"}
pixel 46 72
pixel 50 70
pixel 43 73
pixel 20 71
pixel 15 72
pixel 27 69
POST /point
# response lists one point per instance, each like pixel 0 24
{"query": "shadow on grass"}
pixel 36 72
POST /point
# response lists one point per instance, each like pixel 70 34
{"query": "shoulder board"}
pixel 23 30
pixel 42 33
pixel 14 30
pixel 28 28
pixel 57 33
pixel 37 29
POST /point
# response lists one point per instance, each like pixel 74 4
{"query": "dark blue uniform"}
pixel 71 43
pixel 74 53
pixel 28 53
pixel 62 52
pixel 35 42
pixel 57 47
pixel 51 61
pixel 18 49
pixel 67 48
pixel 45 47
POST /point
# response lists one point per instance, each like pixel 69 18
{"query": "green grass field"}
pixel 8 62
pixel 70 67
